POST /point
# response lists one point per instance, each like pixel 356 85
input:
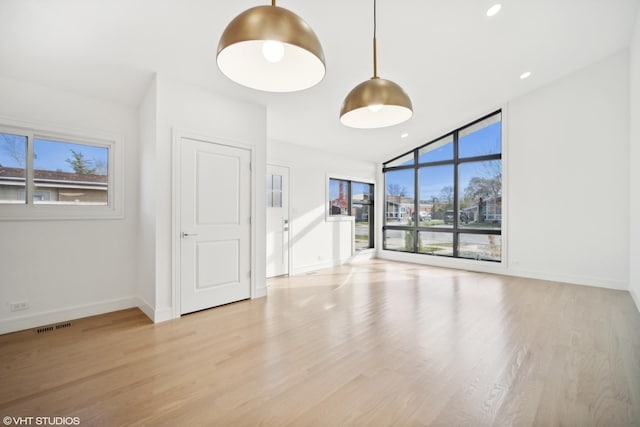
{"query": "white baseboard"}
pixel 29 321
pixel 156 316
pixel 319 266
pixel 162 314
pixel 146 308
pixel 364 255
pixel 573 280
pixel 635 297
pixel 499 268
pixel 444 262
pixel 360 256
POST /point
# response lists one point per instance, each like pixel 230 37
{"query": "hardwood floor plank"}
pixel 375 343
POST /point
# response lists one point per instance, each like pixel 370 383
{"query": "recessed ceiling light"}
pixel 404 135
pixel 494 9
pixel 525 75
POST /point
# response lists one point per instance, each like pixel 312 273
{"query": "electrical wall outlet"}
pixel 19 305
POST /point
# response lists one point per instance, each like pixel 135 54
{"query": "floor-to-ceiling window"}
pixel 445 197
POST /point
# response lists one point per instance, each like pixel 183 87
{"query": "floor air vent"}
pixel 52 328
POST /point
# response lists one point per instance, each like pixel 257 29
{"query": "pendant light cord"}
pixel 375 50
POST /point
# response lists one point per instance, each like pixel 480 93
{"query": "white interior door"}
pixel 215 220
pixel 277 220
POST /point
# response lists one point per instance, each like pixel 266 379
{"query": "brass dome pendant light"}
pixel 377 102
pixel 272 49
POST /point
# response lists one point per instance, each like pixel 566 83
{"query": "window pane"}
pixel 66 173
pixel 480 194
pixel 277 182
pixel 441 149
pixel 457 195
pixel 277 198
pixel 361 192
pixel 482 138
pixel 436 243
pixel 269 196
pixel 274 191
pixel 399 240
pixel 13 175
pixel 407 159
pixel 338 197
pixel 399 197
pixel 362 214
pixel 436 194
pixel 486 247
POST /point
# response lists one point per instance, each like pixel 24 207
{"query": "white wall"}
pixel 634 166
pixel 567 181
pixel 568 189
pixel 199 111
pixel 65 268
pixel 316 242
pixel 146 227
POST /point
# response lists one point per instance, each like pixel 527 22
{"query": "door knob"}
pixel 188 234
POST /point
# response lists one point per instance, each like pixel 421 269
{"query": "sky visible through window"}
pixel 52 155
pixel 13 149
pixel 480 142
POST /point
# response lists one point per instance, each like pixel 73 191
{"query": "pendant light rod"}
pixel 273 2
pixel 377 102
pixel 375 47
pixel 375 59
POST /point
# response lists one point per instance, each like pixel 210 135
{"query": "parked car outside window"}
pixel 448 217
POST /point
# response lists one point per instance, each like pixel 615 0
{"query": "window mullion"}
pixel 416 202
pixel 30 184
pixel 349 199
pixel 456 213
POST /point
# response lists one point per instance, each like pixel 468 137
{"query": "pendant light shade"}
pixel 376 103
pixel 272 49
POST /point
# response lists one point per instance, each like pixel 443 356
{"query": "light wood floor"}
pixel 375 344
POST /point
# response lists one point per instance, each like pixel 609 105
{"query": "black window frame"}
pixel 456 161
pixel 350 204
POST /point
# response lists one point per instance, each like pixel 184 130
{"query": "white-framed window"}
pixel 274 191
pixel 48 173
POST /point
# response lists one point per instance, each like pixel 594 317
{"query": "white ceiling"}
pixel 454 62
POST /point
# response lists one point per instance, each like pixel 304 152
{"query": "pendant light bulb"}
pixel 374 108
pixel 273 51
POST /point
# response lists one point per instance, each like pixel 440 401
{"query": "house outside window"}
pixel 50 175
pixel 354 199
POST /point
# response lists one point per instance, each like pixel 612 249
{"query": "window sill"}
pixel 11 212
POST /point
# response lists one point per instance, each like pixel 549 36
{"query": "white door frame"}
pixel 289 167
pixel 178 135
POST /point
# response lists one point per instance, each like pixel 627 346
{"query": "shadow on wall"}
pixel 313 219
